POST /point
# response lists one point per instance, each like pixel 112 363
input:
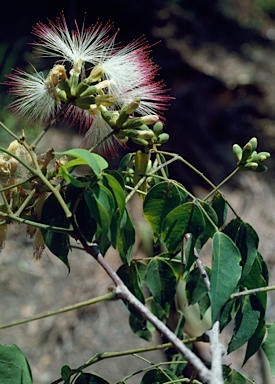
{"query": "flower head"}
pixel 81 45
pixel 118 77
pixel 35 95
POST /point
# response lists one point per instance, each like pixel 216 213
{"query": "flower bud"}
pixel 84 102
pixel 138 141
pixel 247 151
pixel 254 143
pixel 163 138
pixel 95 74
pixel 238 152
pixel 149 119
pixel 158 128
pixel 132 106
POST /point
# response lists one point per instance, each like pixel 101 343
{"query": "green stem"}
pixel 107 296
pixel 221 184
pixel 108 355
pixel 12 217
pixel 25 203
pixel 253 291
pixel 16 184
pixel 10 132
pixel 6 202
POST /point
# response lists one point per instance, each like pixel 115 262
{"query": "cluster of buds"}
pixel 248 158
pixel 99 96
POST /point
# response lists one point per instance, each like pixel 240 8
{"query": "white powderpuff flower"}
pixel 89 45
pixel 35 96
pixel 98 131
pixel 133 77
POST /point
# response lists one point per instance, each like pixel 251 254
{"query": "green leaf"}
pixel 158 376
pixel 140 327
pixel 268 346
pixel 161 282
pixel 93 160
pixel 129 274
pixel 117 191
pixel 77 204
pixel 123 237
pixel 101 204
pixel 255 341
pixel 226 271
pixel 211 220
pixel 14 367
pixel 90 378
pixel 159 201
pixel 66 372
pixel 231 376
pixel 219 205
pixel 246 322
pixel 195 285
pixel 186 218
pixel 67 176
pixel 58 243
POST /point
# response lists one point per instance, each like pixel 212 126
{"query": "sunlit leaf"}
pixel 93 160
pixel 226 271
pixel 14 367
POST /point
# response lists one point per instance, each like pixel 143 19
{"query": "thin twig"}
pixel 107 296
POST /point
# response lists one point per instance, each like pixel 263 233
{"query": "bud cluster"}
pixel 248 158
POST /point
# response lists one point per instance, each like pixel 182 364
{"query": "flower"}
pixel 118 76
pixel 36 96
pixel 89 45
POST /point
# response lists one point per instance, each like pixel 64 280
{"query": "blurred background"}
pixel 217 58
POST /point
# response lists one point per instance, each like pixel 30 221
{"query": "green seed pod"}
pixel 138 141
pixel 254 143
pixel 158 128
pixel 238 152
pixel 163 138
pixel 247 151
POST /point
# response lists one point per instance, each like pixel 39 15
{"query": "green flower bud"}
pixel 238 152
pixel 132 106
pixel 133 133
pixel 254 143
pixel 163 138
pixel 138 141
pixel 250 166
pixel 247 151
pixel 264 155
pixel 84 102
pixel 135 122
pixel 84 89
pixel 145 134
pixel 261 168
pixel 158 128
